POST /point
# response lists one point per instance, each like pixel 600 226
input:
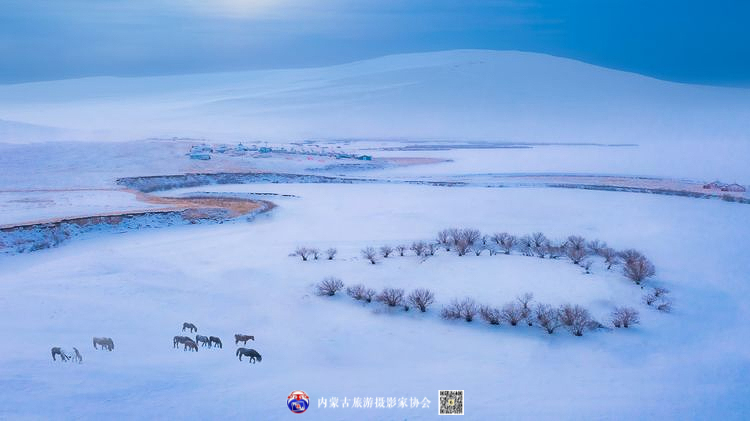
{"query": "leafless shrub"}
pixel 525 303
pixel 638 269
pixel 331 253
pixel 421 298
pixel 358 292
pixel 303 252
pixel 418 247
pixel 539 244
pixel 468 235
pixel 525 245
pixel 610 256
pixel 576 318
pixel 624 317
pixel 478 249
pixel 547 317
pixel 386 251
pixel 659 291
pixel 465 309
pixel 369 294
pixel 329 286
pixel 401 249
pixel 512 313
pixel 315 253
pixel 490 315
pixel 391 296
pixel 649 299
pixel 370 254
pixel 430 249
pixel 664 305
pixel 586 265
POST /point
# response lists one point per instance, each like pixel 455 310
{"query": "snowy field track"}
pixel 139 287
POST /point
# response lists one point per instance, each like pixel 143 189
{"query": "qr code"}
pixel 451 402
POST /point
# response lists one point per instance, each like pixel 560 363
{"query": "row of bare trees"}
pixel 574 318
pixel 635 266
pixel 307 253
pixel 420 298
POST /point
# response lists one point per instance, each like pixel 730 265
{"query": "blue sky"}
pixel 689 41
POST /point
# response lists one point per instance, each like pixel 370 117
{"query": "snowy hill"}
pixel 466 94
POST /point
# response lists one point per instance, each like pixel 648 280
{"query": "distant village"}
pixel 204 151
pixel 718 185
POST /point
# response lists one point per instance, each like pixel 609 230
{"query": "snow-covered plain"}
pixel 139 287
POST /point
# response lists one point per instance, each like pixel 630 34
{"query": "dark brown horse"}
pixel 105 343
pixel 58 351
pixel 202 340
pixel 179 340
pixel 253 354
pixel 189 326
pixel 243 338
pixel 215 341
pixel 190 345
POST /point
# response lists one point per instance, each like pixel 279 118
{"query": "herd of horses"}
pixel 186 341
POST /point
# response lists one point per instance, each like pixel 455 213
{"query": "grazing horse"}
pixel 204 341
pixel 215 341
pixel 105 343
pixel 58 351
pixel 78 356
pixel 179 340
pixel 243 338
pixel 253 354
pixel 189 326
pixel 191 345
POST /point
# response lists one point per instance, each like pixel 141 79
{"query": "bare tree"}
pixel 525 245
pixel 630 255
pixel 418 247
pixel 464 309
pixel 512 313
pixel 329 286
pixel 554 251
pixel 478 249
pixel 421 298
pixel 315 253
pixel 638 269
pixel 401 249
pixel 469 235
pixel 490 315
pixel 595 247
pixel 370 254
pixel 507 242
pixel 575 248
pixel 430 249
pixel 624 317
pixel 539 244
pixel 547 317
pixel 610 257
pixel 576 318
pixel 462 247
pixel 525 303
pixel 391 296
pixel 444 239
pixel 386 251
pixel 331 253
pixel 303 252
